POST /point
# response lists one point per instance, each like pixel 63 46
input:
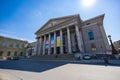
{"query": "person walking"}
pixel 106 60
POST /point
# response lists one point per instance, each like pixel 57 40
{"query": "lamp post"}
pixel 112 46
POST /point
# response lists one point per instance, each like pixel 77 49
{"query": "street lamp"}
pixel 112 46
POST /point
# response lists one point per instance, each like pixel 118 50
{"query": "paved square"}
pixel 68 71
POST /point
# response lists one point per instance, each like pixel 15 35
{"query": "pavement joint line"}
pixel 14 75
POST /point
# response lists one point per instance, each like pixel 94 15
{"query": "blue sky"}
pixel 22 18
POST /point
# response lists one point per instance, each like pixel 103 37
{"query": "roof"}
pixel 12 38
pixel 54 19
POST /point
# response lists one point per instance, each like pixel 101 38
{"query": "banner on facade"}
pixel 47 42
pixel 58 40
pixel 93 47
pixel 52 41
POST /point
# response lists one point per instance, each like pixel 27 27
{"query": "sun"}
pixel 88 3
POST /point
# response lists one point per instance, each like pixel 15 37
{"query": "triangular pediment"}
pixel 55 21
pixel 51 23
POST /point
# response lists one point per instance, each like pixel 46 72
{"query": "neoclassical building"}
pixel 10 47
pixel 70 35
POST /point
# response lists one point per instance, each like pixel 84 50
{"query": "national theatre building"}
pixel 71 35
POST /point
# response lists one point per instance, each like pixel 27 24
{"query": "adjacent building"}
pixel 71 35
pixel 117 45
pixel 10 47
pixel 31 49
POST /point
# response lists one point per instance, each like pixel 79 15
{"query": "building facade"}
pixel 11 47
pixel 117 45
pixel 31 49
pixel 71 35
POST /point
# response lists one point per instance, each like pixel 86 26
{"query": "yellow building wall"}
pixel 7 48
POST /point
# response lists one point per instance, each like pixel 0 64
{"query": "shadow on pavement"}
pixel 40 66
pixel 30 65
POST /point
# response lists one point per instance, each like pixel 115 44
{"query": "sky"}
pixel 20 19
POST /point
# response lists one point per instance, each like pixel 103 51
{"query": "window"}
pixel 1 53
pixel 4 43
pixel 17 45
pixel 93 47
pixel 22 45
pixel 11 44
pixel 87 23
pixel 91 35
pixel 21 53
pixel 15 54
pixel 8 54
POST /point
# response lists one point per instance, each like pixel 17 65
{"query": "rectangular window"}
pixel 17 45
pixel 4 43
pixel 11 44
pixel 22 45
pixel 91 35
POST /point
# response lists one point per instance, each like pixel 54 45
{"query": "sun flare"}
pixel 88 3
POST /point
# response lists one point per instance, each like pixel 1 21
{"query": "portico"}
pixel 70 34
pixel 62 41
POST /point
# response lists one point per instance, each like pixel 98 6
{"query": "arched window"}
pixel 21 53
pixel 8 54
pixel 1 53
pixel 91 35
pixel 15 54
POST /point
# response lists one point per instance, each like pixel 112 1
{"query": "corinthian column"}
pixel 54 42
pixel 40 39
pixel 37 51
pixel 69 41
pixel 44 45
pixel 61 42
pixel 79 38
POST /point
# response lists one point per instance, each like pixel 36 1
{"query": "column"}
pixel 69 41
pixel 61 42
pixel 79 37
pixel 44 45
pixel 54 42
pixel 39 49
pixel 49 45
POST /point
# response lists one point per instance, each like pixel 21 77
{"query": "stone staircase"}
pixel 54 57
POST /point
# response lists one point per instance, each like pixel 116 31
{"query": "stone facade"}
pixel 31 49
pixel 12 47
pixel 117 45
pixel 70 35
